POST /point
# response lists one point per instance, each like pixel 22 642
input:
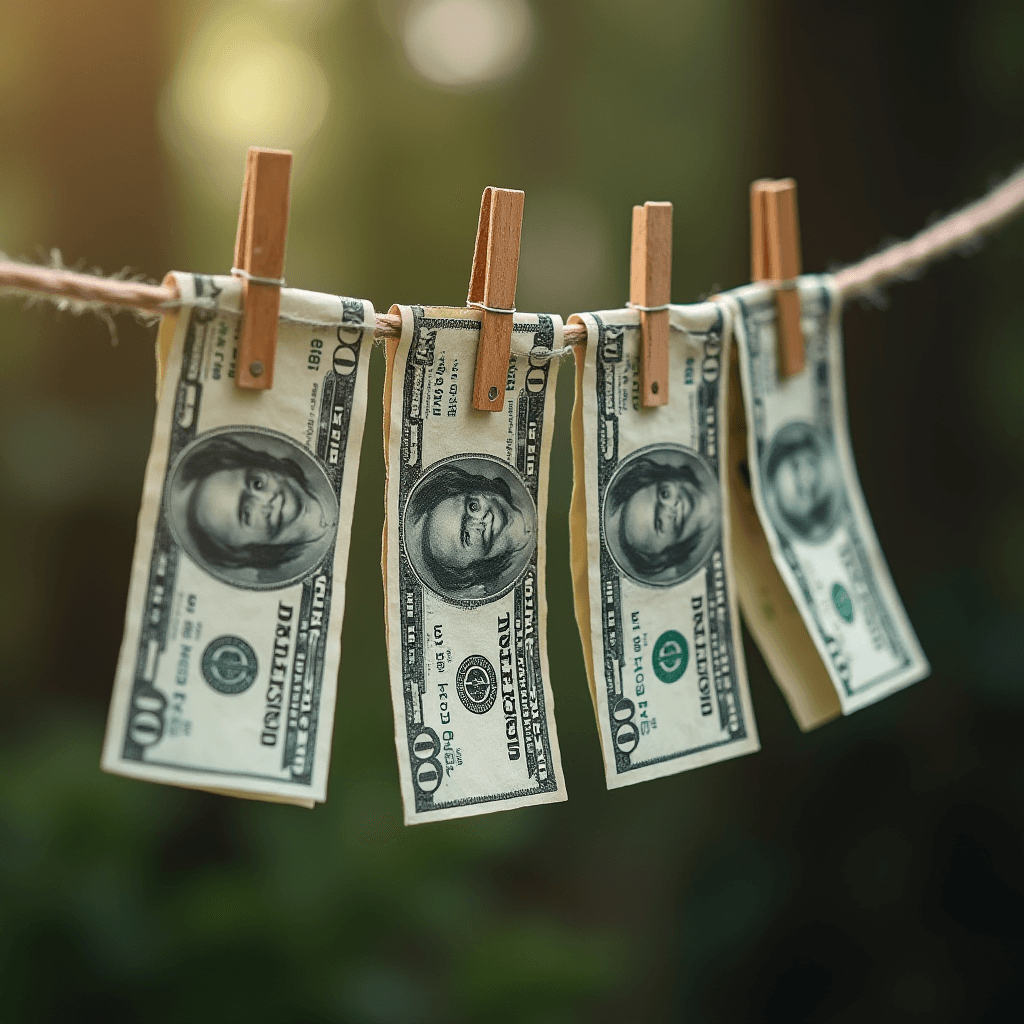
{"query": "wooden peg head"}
pixel 775 256
pixel 492 283
pixel 650 284
pixel 259 251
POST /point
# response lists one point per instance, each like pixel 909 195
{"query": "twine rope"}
pixel 78 292
pixel 960 231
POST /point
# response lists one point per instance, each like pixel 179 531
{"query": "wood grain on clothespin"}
pixel 259 251
pixel 650 285
pixel 492 284
pixel 775 256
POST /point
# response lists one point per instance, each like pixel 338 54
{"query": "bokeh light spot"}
pixel 239 84
pixel 465 43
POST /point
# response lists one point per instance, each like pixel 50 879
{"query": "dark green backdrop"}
pixel 868 871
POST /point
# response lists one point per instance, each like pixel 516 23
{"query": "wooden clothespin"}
pixel 259 262
pixel 650 289
pixel 492 289
pixel 775 256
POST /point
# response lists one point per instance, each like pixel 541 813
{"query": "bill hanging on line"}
pixel 228 668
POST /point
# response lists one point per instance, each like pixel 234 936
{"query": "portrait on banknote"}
pixel 470 528
pixel 802 483
pixel 252 507
pixel 662 514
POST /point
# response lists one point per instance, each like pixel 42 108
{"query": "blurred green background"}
pixel 867 871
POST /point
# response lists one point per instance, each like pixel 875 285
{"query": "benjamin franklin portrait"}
pixel 662 514
pixel 470 528
pixel 252 507
pixel 803 487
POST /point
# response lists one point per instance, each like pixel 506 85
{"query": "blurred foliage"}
pixel 869 870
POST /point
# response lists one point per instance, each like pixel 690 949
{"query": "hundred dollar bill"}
pixel 652 567
pixel 228 668
pixel 464 568
pixel 807 495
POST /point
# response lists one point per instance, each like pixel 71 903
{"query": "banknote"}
pixel 652 567
pixel 805 489
pixel 228 668
pixel 464 568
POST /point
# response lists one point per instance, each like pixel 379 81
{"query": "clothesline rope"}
pixel 78 292
pixel 950 234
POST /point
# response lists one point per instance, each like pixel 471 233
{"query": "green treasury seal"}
pixel 229 665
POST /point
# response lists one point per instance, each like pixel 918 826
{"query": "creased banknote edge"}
pixel 332 677
pixel 543 482
pixel 489 805
pixel 496 802
pixel 220 784
pixel 593 535
pixel 741 679
pixel 268 798
pixel 692 761
pixel 579 536
pixel 145 532
pixel 811 284
pixel 391 600
pixel 390 352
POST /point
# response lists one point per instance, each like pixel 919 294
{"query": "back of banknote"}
pixel 652 566
pixel 464 568
pixel 228 668
pixel 809 501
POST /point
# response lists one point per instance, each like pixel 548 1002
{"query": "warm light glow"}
pixel 238 84
pixel 466 43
